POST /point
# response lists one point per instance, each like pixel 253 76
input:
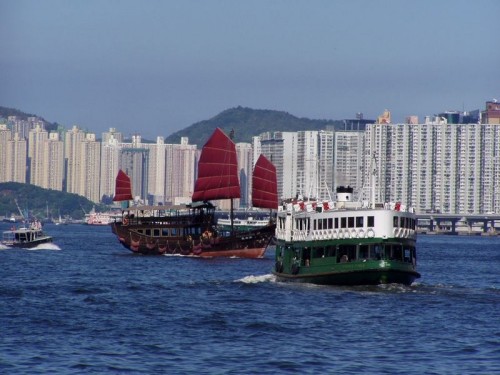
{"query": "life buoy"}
pixel 361 233
pixel 370 233
pixel 125 220
pixel 353 233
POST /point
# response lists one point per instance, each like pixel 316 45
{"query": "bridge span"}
pixel 483 224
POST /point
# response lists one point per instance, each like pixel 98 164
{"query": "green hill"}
pixel 38 201
pixel 247 123
pixel 6 112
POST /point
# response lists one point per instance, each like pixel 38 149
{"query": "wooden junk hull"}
pixel 250 244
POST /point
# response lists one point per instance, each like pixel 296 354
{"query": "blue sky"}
pixel 154 67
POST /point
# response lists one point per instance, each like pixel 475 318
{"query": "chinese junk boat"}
pixel 191 229
pixel 347 243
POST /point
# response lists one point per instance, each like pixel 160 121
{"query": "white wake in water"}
pixel 251 279
pixel 45 246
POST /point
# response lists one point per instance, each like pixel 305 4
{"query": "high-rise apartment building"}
pixel 348 160
pixel 90 168
pixel 110 161
pixel 37 164
pixel 436 166
pixel 54 154
pixel 16 159
pixel 83 163
pixel 245 160
pixel 281 149
pixel 134 161
pixel 180 174
pixel 5 136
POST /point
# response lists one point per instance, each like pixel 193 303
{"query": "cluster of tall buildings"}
pixel 449 163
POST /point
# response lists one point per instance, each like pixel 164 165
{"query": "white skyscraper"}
pixel 16 159
pixel 5 137
pixel 281 149
pixel 110 157
pixel 37 138
pixel 437 167
pixel 54 155
pixel 245 168
pixel 180 172
pixel 348 161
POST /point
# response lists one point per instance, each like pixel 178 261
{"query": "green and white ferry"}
pixel 346 243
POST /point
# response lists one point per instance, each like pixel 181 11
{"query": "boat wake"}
pixel 251 279
pixel 3 247
pixel 45 246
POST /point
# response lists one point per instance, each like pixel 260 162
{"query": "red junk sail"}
pixel 264 184
pixel 217 170
pixel 123 189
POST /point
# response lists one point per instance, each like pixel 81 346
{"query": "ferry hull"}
pixel 362 277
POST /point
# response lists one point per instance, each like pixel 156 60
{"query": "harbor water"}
pixel 84 304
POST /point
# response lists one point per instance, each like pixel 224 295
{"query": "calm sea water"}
pixel 86 305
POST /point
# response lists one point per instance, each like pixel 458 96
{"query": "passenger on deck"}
pixel 344 259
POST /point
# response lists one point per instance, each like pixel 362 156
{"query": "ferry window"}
pixel 330 223
pixel 325 223
pixel 320 224
pixel 319 252
pixel 346 253
pixel 314 225
pixel 148 232
pixel 395 222
pixel 330 251
pixel 173 232
pixel 359 221
pixel 336 223
pixel 343 222
pixel 350 222
pixel 407 254
pixel 364 251
pixel 306 256
pixel 164 232
pixel 394 252
pixel 371 221
pixel 156 232
pixel 376 252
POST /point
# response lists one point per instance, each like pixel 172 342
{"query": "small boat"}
pixel 346 243
pixel 11 219
pixel 25 237
pixel 191 229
